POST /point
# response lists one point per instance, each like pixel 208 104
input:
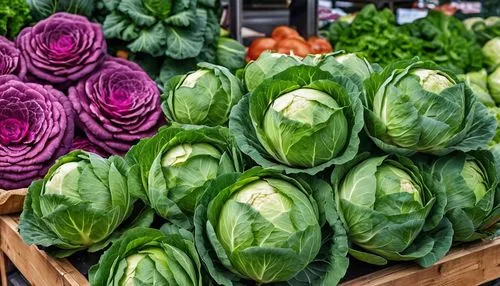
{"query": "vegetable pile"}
pixel 286 40
pixel 181 171
pixel 374 35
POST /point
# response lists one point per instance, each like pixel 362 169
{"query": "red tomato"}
pixel 319 45
pixel 298 47
pixel 283 32
pixel 258 46
pixel 296 37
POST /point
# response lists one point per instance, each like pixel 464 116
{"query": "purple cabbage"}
pixel 11 61
pixel 117 105
pixel 62 48
pixel 36 127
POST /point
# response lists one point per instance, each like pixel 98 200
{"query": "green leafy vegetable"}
pixel 470 181
pixel 391 211
pixel 175 166
pixel 202 97
pixel 14 15
pixel 145 256
pixel 41 9
pixel 301 120
pixel 415 106
pixel 230 53
pixel 478 82
pixel 177 29
pixel 79 204
pixel 494 84
pixel 265 227
pixel 375 36
pixel 490 52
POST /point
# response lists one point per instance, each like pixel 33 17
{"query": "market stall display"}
pixel 160 153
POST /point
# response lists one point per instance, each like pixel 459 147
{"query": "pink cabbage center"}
pixel 121 99
pixel 62 44
pixel 12 130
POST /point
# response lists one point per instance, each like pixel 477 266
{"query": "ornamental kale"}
pixel 117 105
pixel 11 61
pixel 36 127
pixel 61 48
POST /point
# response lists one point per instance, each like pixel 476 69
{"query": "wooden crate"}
pixel 36 266
pixel 469 265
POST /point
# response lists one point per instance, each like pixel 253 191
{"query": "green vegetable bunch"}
pixel 446 41
pixel 265 227
pixel 79 204
pixel 175 166
pixel 415 106
pixel 145 256
pixel 202 97
pixel 14 15
pixel 374 35
pixel 391 211
pixel 471 184
pixel 177 29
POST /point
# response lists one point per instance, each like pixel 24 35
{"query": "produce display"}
pixel 147 137
pixel 374 35
pixel 285 40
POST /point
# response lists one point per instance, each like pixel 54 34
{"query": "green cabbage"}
pixel 81 201
pixel 414 106
pixel 202 97
pixel 267 227
pixel 301 120
pixel 145 256
pixel 175 166
pixel 471 184
pixel 391 211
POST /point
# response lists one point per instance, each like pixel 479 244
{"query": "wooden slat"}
pixel 467 265
pixel 3 269
pixel 37 267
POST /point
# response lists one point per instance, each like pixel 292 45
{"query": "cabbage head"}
pixel 391 211
pixel 471 184
pixel 175 166
pixel 346 63
pixel 81 201
pixel 494 85
pixel 490 53
pixel 414 106
pixel 478 83
pixel 202 97
pixel 145 256
pixel 337 63
pixel 495 111
pixel 302 120
pixel 266 66
pixel 263 227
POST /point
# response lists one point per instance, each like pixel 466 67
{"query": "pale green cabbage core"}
pixel 300 104
pixel 187 167
pixel 181 153
pixel 148 260
pixel 432 80
pixel 65 180
pixel 271 205
pixel 391 179
pixel 191 79
pixel 474 178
